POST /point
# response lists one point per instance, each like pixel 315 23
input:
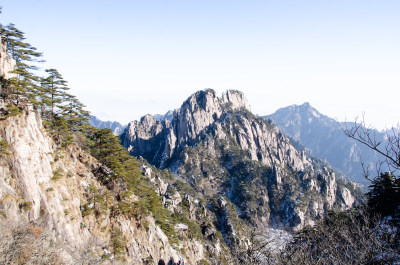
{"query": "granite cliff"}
pixel 54 197
pixel 241 163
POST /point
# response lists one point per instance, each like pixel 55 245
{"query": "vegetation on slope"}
pixel 128 193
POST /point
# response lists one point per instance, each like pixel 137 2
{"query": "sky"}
pixel 124 59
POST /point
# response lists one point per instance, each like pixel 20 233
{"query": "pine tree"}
pixel 107 149
pixel 62 111
pixel 73 112
pixel 60 131
pixel 53 91
pixel 384 195
pixel 26 82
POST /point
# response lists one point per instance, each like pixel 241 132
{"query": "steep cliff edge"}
pixel 54 197
pixel 225 152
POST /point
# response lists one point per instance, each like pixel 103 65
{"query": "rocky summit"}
pixel 233 157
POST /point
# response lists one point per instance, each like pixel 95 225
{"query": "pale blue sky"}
pixel 124 59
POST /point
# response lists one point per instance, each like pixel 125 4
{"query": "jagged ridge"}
pixel 218 146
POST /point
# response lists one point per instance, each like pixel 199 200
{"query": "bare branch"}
pixel 388 147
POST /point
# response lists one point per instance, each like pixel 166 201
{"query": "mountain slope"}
pixel 60 205
pixel 325 138
pixel 234 157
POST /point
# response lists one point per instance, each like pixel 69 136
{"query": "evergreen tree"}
pixel 73 112
pixel 62 111
pixel 107 149
pixel 60 131
pixel 384 195
pixel 53 90
pixel 26 82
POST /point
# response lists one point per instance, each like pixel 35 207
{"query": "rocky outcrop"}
pixel 49 192
pixel 159 140
pixel 30 159
pixel 218 146
pixel 167 116
pixel 7 63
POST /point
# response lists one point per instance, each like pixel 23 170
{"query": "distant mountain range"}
pixel 115 126
pixel 118 128
pixel 325 138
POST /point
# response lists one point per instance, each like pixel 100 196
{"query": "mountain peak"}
pixel 236 98
pixel 199 111
pixel 306 105
pixel 304 110
pixel 148 119
pixel 311 111
pixel 207 99
pixel 217 148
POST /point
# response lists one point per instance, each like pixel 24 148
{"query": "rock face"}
pixel 326 140
pixel 159 140
pixel 48 194
pixel 224 151
pixel 7 63
pixel 167 116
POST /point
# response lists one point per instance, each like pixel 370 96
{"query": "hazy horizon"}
pixel 124 59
